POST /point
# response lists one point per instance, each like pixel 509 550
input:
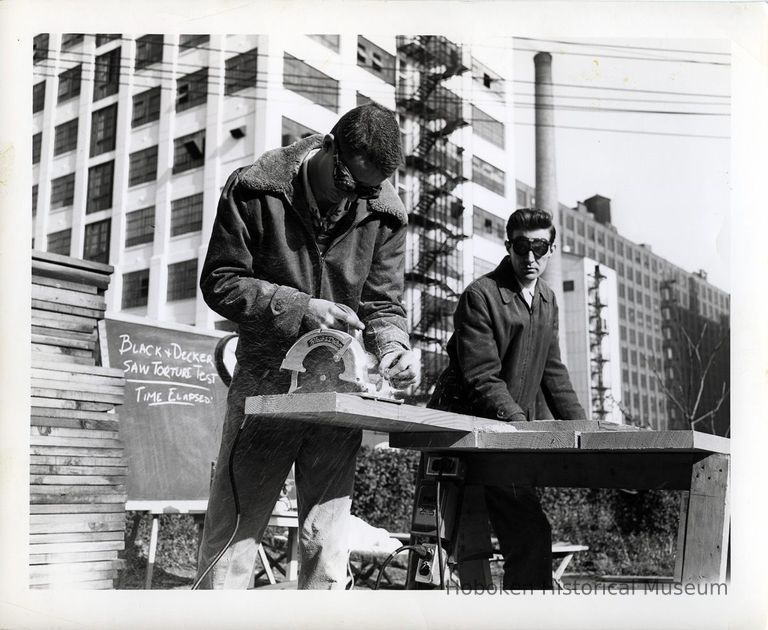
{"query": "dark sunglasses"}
pixel 522 245
pixel 345 182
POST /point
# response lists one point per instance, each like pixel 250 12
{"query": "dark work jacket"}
pixel 501 353
pixel 263 263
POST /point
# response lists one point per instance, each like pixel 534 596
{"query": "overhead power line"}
pixel 630 131
pixel 628 57
pixel 623 46
pixel 578 108
pixel 618 89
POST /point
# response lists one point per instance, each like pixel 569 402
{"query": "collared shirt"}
pixel 323 223
pixel 529 293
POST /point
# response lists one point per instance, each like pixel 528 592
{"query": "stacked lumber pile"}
pixel 77 469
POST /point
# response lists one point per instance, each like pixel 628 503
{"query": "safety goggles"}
pixel 345 182
pixel 522 245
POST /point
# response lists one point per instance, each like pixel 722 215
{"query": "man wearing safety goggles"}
pixel 311 235
pixel 505 350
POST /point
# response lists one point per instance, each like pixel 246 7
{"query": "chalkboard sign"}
pixel 174 406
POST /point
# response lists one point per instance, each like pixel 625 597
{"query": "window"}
pixel 487 175
pixel 625 376
pixel 187 214
pixel 62 191
pixel 103 130
pixel 490 129
pixel 103 38
pixel 310 83
pixel 106 74
pixel 488 225
pixel 70 39
pixel 100 187
pixel 189 152
pixel 376 60
pixel 520 198
pixel 34 199
pixel 193 41
pixel 241 71
pixel 40 47
pixel 65 137
pixel 191 90
pixel 59 242
pixel 69 83
pixel 580 227
pixel 142 166
pixel 146 107
pixel 149 50
pixel 96 245
pixel 38 97
pixel 624 355
pixel 37 143
pixel 139 226
pixel 293 131
pixel 568 285
pixel 135 288
pixel 329 41
pixel 569 221
pixel 182 280
pixel 488 79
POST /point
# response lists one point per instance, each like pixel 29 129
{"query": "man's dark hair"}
pixel 371 130
pixel 531 219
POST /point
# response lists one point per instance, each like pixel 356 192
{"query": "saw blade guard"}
pixel 343 346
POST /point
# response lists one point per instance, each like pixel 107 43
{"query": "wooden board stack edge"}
pixel 77 464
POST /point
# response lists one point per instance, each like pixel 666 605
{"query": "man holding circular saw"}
pixel 310 236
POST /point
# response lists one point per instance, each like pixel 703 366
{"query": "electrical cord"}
pixel 236 498
pixel 420 550
pixel 437 531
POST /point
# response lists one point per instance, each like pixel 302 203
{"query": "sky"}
pixel 667 174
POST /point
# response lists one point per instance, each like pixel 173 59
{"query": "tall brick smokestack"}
pixel 546 181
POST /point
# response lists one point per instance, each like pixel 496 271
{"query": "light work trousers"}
pixel 324 460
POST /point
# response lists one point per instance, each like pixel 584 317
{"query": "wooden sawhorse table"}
pixel 197 510
pixel 567 453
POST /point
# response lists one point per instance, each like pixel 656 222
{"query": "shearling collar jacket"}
pixel 502 352
pixel 263 263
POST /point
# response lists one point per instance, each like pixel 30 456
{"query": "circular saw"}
pixel 329 360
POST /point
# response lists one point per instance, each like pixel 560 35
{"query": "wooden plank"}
pixel 77 377
pixel 52 494
pixel 706 536
pixel 73 537
pixel 655 440
pixel 556 425
pixel 76 423
pixel 71 547
pixel 52 440
pixel 89 337
pixel 487 442
pixel 59 403
pixel 77 461
pixel 68 309
pixel 78 451
pixel 100 585
pixel 87 471
pixel 353 411
pixel 76 491
pixel 91 434
pixel 58 283
pixel 74 508
pixel 78 527
pixel 70 298
pixel 78 386
pixel 56 270
pixel 114 481
pixel 49 351
pixel 74 568
pixel 71 394
pixel 60 321
pixel 77 517
pixel 58 558
pixel 63 358
pixel 95 370
pixel 62 580
pixel 62 342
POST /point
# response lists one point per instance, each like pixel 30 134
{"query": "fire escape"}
pixel 435 166
pixel 597 331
